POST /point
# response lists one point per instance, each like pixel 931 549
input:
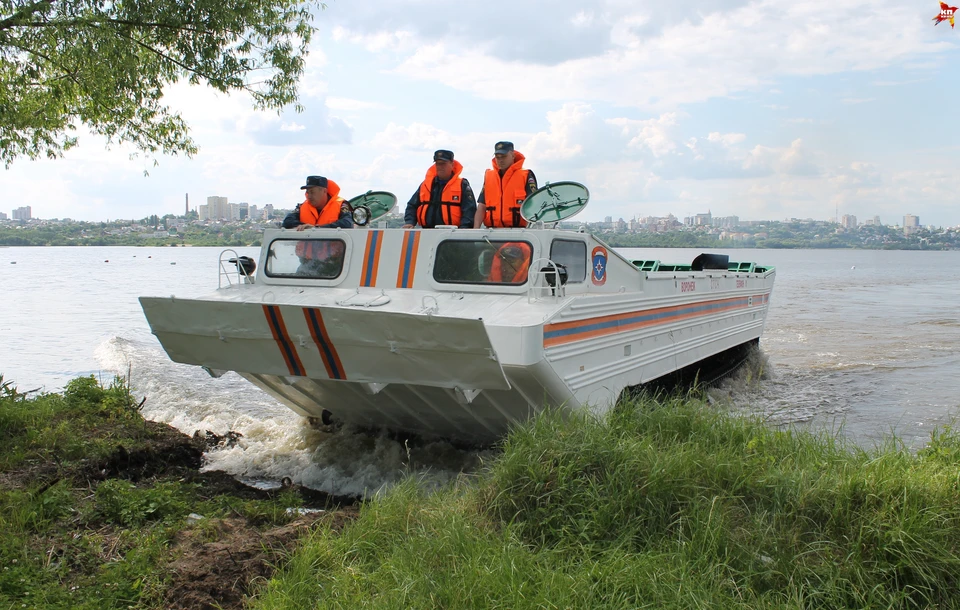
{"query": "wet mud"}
pixel 212 563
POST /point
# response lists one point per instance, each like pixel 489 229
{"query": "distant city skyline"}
pixel 231 211
pixel 743 107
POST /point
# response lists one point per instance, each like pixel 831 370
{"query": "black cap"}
pixel 315 181
pixel 443 155
pixel 512 251
pixel 502 148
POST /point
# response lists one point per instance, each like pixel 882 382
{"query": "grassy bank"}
pixel 100 509
pixel 667 504
pixel 658 505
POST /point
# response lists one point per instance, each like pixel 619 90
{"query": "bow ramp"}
pixel 419 372
pixel 327 343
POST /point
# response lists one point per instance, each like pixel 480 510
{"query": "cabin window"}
pixel 318 259
pixel 482 262
pixel 572 255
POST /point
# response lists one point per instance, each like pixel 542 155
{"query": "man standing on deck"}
pixel 444 198
pixel 505 187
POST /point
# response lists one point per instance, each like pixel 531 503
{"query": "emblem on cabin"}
pixel 599 259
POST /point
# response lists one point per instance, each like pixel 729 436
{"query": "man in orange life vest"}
pixel 444 198
pixel 504 189
pixel 323 208
pixel 510 263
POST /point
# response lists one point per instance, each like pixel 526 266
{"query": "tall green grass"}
pixel 45 426
pixel 665 504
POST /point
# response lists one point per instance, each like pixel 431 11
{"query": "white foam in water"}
pixel 276 442
pixel 786 395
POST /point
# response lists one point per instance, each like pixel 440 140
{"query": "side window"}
pixel 572 255
pixel 482 262
pixel 319 259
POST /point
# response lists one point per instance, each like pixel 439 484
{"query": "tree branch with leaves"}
pixel 105 64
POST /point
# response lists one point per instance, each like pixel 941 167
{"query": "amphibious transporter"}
pixel 459 332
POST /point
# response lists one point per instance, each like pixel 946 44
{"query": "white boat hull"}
pixel 465 360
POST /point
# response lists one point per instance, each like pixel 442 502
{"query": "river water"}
pixel 862 342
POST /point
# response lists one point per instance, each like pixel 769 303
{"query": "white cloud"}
pixel 314 126
pixel 896 83
pixel 662 62
pixel 417 136
pixel 575 130
pixel 729 139
pixel 344 103
pixel 857 175
pixel 655 135
pixel 377 41
pixel 794 160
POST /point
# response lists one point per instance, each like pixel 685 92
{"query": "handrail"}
pixel 540 283
pixel 231 267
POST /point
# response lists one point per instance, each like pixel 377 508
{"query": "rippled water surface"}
pixel 866 339
pixel 869 340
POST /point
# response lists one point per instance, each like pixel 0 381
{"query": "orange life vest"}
pixel 450 198
pixel 503 196
pixel 312 216
pixel 500 265
pixel 330 213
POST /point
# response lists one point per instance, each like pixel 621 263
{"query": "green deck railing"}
pixel 655 265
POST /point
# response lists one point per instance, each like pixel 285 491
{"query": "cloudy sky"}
pixel 760 109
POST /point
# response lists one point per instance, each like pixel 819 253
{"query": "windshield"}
pixel 483 262
pixel 306 258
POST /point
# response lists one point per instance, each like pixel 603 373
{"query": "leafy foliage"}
pixel 105 64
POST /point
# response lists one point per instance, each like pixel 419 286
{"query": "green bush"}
pixel 88 395
pixel 83 392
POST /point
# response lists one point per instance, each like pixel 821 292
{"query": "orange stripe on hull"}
pixel 581 330
pixel 287 348
pixel 408 259
pixel 371 259
pixel 328 353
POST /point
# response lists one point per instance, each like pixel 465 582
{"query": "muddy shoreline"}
pixel 218 542
pixel 216 566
